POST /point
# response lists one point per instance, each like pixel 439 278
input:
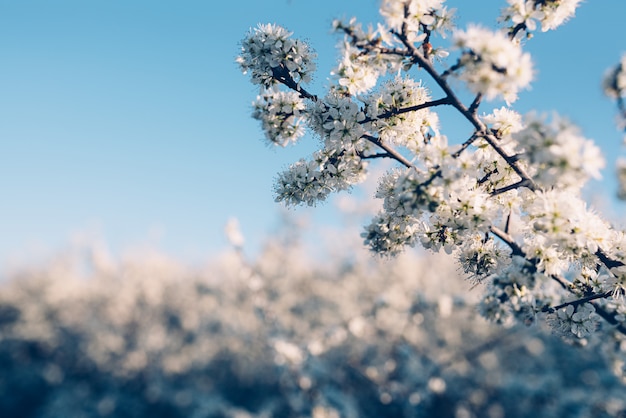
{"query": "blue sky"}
pixel 128 120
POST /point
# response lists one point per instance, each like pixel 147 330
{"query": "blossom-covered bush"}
pixel 278 336
pixel 505 202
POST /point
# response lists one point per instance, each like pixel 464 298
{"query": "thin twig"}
pixel 392 152
pixel 373 156
pixel 399 111
pixel 517 185
pixel 552 309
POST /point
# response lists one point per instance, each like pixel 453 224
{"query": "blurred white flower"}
pixel 233 233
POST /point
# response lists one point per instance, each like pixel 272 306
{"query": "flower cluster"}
pixel 492 64
pixel 515 293
pixel 504 122
pixel 419 17
pixel 338 120
pixel 269 51
pixel 562 229
pixel 356 73
pixel 557 154
pixel 281 114
pixel 480 257
pixel 310 182
pixel 438 208
pixel 388 107
pixel 524 14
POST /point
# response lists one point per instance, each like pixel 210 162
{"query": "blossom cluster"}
pixel 411 130
pixel 506 202
pixel 419 17
pixel 281 114
pixel 524 14
pixel 492 64
pixel 338 121
pixel 310 182
pixel 580 320
pixel 269 51
pixel 557 154
pixel 357 73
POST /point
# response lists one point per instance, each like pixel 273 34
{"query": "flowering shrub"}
pixel 506 202
pixel 279 336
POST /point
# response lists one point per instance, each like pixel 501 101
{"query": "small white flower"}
pixel 551 14
pixel 504 121
pixel 580 321
pixel 492 64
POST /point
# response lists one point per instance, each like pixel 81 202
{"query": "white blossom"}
pixel 281 114
pixel 562 221
pixel 480 256
pixel 414 13
pixel 492 64
pixel 578 320
pixel 550 14
pixel 505 201
pixel 504 121
pixel 310 182
pixel 233 233
pixel 395 126
pixel 269 49
pixel 390 234
pixel 338 120
pixel 558 154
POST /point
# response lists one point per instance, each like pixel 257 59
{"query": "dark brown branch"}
pixel 608 262
pixel 508 239
pixel 609 317
pixel 392 152
pixel 552 309
pixel 373 156
pixel 521 183
pixel 467 143
pixel 507 225
pixel 395 112
pixel 474 106
pixel 281 74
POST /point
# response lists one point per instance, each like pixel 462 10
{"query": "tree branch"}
pixel 395 112
pixel 552 309
pixel 517 185
pixel 281 74
pixel 392 152
pixel 508 239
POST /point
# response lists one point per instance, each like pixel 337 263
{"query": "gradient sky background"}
pixel 128 120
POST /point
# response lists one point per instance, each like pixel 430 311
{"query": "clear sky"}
pixel 128 120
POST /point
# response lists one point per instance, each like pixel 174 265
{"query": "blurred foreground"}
pixel 283 335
